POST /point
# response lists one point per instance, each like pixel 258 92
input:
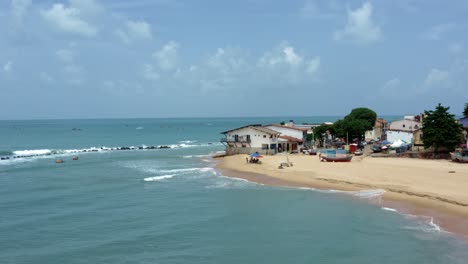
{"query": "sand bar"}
pixel 437 188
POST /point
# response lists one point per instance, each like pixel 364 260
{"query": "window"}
pixel 404 125
pixel 264 136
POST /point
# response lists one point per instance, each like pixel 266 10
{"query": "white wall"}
pixel 405 125
pixel 257 137
pixel 393 136
pixel 288 131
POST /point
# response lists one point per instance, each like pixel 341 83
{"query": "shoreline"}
pixel 449 212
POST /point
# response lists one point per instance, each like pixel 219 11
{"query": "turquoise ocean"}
pixel 171 206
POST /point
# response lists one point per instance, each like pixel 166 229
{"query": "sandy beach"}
pixel 437 188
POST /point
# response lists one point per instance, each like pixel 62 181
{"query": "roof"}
pixel 379 122
pixel 291 139
pixel 463 122
pixel 290 127
pixel 256 127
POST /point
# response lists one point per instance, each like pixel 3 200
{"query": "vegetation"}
pixel 465 111
pixel 356 123
pixel 318 131
pixel 440 129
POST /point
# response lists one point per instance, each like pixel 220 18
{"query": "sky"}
pixel 174 58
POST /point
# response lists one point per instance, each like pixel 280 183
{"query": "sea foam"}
pixel 159 178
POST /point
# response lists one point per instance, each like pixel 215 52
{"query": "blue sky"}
pixel 171 58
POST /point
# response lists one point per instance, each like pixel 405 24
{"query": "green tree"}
pixel 355 124
pixel 363 113
pixel 318 131
pixel 440 129
pixel 465 111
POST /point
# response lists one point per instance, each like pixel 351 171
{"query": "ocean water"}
pixel 171 206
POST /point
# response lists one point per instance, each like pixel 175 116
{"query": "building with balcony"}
pixel 251 138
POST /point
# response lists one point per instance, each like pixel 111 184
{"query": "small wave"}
pixel 6 155
pixel 223 182
pixel 139 128
pixel 187 141
pixel 32 152
pixel 389 209
pixel 206 169
pixel 364 194
pixel 159 178
pixel 424 223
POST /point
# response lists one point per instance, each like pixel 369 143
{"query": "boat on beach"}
pixel 335 155
pixel 460 155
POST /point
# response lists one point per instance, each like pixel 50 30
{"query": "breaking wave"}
pixel 29 153
pixel 159 178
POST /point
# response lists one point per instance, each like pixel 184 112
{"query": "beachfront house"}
pixel 407 124
pixel 378 132
pixel 291 138
pixel 405 130
pixel 249 139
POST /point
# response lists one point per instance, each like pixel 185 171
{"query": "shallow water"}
pixel 171 206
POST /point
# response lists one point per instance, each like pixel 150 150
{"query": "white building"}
pixel 394 135
pixel 291 138
pixel 251 138
pixel 408 125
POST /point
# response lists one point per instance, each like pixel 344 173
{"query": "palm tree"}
pixel 465 111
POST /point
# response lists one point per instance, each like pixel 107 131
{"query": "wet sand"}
pixel 436 188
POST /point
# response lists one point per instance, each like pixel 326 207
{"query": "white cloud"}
pixel 437 31
pixel 134 30
pixel 19 9
pixel 8 67
pixel 283 56
pixel 150 73
pixel 232 69
pixel 167 57
pixel 360 27
pixel 291 56
pixel 69 19
pixel 286 60
pixel 436 77
pixel 313 66
pixel 390 86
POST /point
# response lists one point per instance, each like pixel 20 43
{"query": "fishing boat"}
pixel 460 155
pixel 335 155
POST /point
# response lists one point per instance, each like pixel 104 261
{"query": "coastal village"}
pixel 390 161
pixel 401 137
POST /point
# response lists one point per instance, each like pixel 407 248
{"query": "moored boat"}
pixel 460 155
pixel 335 155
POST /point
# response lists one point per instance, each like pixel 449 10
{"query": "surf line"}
pixel 54 152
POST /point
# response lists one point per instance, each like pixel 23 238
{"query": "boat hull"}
pixel 458 157
pixel 337 159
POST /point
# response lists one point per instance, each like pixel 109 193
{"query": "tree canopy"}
pixel 318 131
pixel 440 129
pixel 465 111
pixel 356 123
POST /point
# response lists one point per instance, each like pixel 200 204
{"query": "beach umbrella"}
pixel 256 155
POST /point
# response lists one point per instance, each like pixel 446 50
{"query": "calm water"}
pixel 171 206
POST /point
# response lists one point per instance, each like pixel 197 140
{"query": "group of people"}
pixel 252 160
